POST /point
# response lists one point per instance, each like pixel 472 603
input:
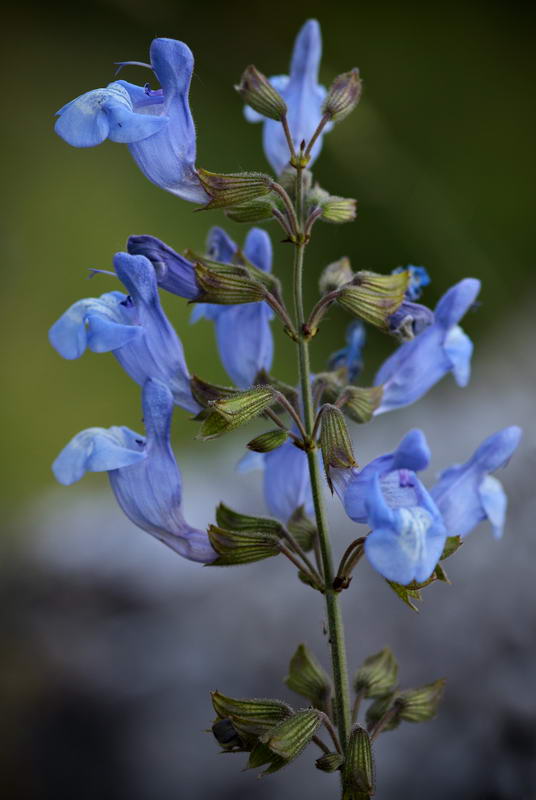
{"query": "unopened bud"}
pixel 308 678
pixel 339 210
pixel 420 705
pixel 336 275
pixel 335 442
pixel 361 402
pixel 290 737
pixel 257 91
pixel 251 716
pixel 232 189
pixel 373 297
pixel 232 412
pixel 266 442
pixel 358 770
pixel 254 211
pixel 228 286
pixel 329 762
pixel 377 675
pixel 226 735
pixel 236 548
pixel 343 95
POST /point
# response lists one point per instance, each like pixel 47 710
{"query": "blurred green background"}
pixel 440 155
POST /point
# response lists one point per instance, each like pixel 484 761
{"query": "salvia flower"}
pixel 351 356
pixel 407 530
pixel 243 332
pixel 466 493
pixel 143 473
pixel 174 272
pixel 132 326
pixel 156 124
pixel 304 98
pixel 419 277
pixel 286 481
pixel 440 348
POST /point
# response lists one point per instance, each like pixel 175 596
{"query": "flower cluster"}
pixel 408 524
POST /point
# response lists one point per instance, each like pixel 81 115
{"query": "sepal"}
pixel 406 594
pixel 374 297
pixel 230 286
pixel 329 762
pixel 308 678
pixel 338 210
pixel 268 441
pixel 252 211
pixel 233 520
pixel 227 413
pixel 235 548
pixel 250 717
pixel 335 275
pixel 302 528
pixel 420 705
pixel 358 773
pixel 343 95
pixel 335 443
pixel 257 92
pixel 382 708
pixel 227 190
pixel 377 675
pixel 360 402
pixel 291 736
pixel 452 544
pixel 206 393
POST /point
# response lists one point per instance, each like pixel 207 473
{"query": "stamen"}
pixel 93 272
pixel 121 64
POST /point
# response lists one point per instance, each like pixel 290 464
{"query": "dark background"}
pixel 440 155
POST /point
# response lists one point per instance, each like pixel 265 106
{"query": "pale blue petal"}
pixel 245 342
pixel 168 157
pixel 125 126
pixel 459 349
pixel 494 502
pixel 286 481
pixel 104 335
pixel 174 273
pixel 69 336
pixel 82 122
pixel 456 302
pixel 98 450
pixel 495 451
pixel 258 249
pixel 220 246
pixel 413 452
pixel 250 461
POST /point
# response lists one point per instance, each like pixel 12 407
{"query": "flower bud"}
pixel 268 441
pixel 335 275
pixel 358 771
pixel 335 442
pixel 308 678
pixel 377 675
pixel 420 705
pixel 232 189
pixel 290 737
pixel 361 402
pixel 373 297
pixel 257 91
pixel 253 211
pixel 227 413
pixel 329 762
pixel 339 209
pixel 226 735
pixel 228 286
pixel 236 548
pixel 302 528
pixel 250 716
pixel 234 521
pixel 343 95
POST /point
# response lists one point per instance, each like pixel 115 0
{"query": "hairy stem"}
pixel 334 617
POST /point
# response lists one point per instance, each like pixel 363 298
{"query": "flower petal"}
pixel 286 481
pixel 98 450
pixel 494 502
pixel 456 302
pixel 220 246
pixel 258 249
pixel 245 342
pixel 82 122
pixel 459 349
pixel 174 273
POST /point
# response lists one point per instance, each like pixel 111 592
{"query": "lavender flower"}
pixel 133 327
pixel 143 473
pixel 304 97
pixel 157 125
pixel 466 493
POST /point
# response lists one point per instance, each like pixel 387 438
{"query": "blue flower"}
pixel 142 471
pixel 157 125
pixel 351 356
pixel 418 277
pixel 409 320
pixel 243 332
pixel 466 494
pixel 407 531
pixel 303 96
pixel 440 348
pixel 174 273
pixel 132 326
pixel 286 481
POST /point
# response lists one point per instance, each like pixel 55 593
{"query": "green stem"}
pixel 334 616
